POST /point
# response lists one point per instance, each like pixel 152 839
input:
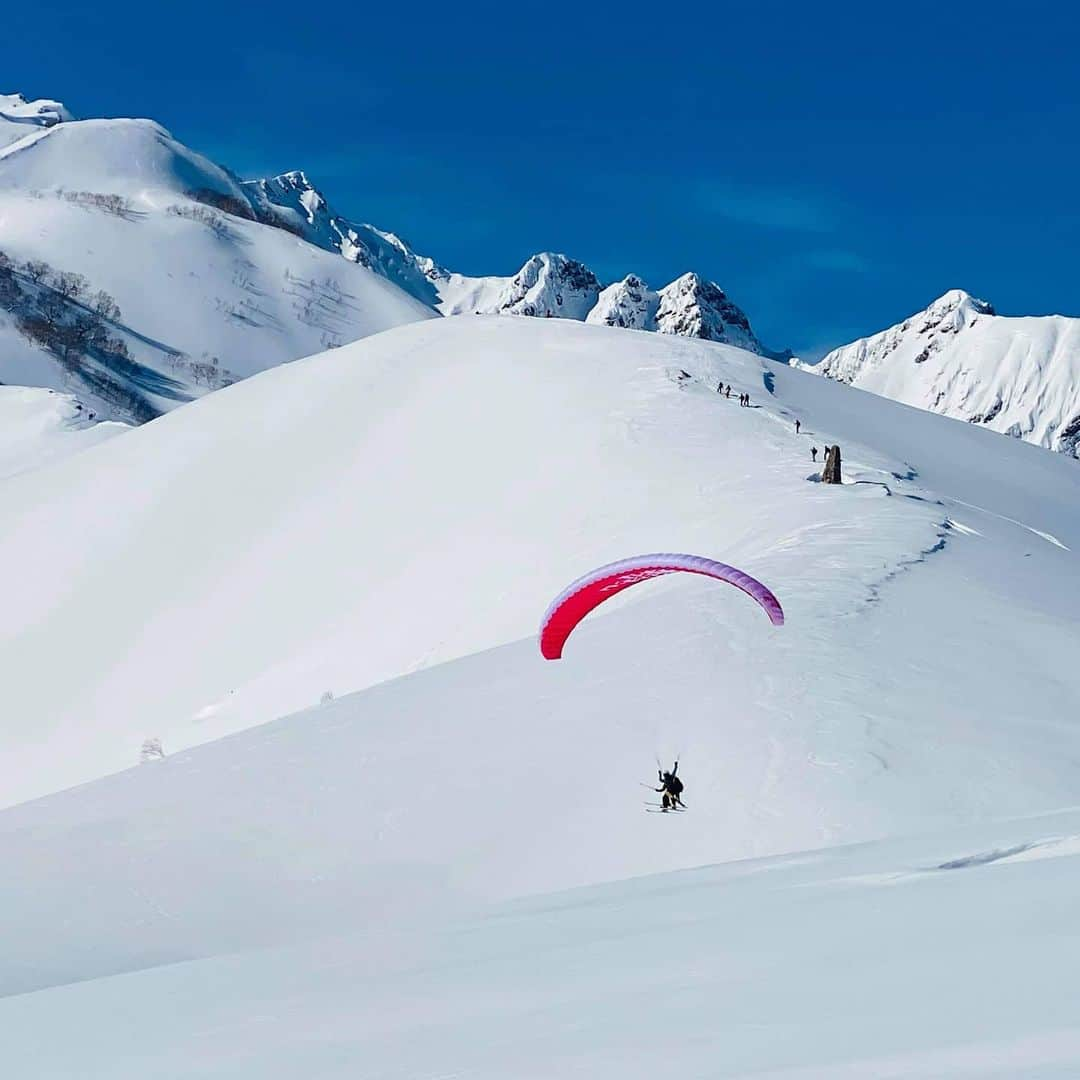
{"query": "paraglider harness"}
pixel 672 787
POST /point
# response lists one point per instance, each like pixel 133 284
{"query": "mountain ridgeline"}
pixel 137 275
pixel 548 285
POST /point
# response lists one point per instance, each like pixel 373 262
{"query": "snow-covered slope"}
pixel 415 498
pixel 202 293
pixel 549 285
pixel 950 956
pixel 292 199
pixel 1020 376
pixel 393 518
pixel 40 426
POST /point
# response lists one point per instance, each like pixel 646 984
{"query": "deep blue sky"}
pixel 834 167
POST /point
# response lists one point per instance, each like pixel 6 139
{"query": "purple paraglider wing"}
pixel 581 597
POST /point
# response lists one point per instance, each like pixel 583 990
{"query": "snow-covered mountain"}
pixel 366 540
pixel 692 307
pixel 399 479
pixel 306 606
pixel 1020 376
pixel 548 285
pixel 629 304
pixel 137 274
pixel 688 307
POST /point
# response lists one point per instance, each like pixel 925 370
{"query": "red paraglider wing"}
pixel 578 599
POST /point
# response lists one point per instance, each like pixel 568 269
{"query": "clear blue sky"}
pixel 833 166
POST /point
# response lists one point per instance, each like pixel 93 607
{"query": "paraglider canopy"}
pixel 579 598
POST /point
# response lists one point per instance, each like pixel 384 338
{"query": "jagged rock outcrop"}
pixel 629 304
pixel 693 307
pixel 831 474
pixel 551 285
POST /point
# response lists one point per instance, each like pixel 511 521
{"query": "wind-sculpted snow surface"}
pixel 1019 376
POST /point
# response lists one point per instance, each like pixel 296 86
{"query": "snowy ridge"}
pixel 1019 376
pixel 345 560
pixel 44 152
pixel 366 540
pixel 202 290
pixel 292 200
pixel 548 285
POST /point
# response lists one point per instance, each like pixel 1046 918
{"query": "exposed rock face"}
pixel 629 303
pixel 693 307
pixel 554 286
pixel 831 473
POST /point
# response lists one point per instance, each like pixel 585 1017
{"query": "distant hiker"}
pixel 813 453
pixel 672 787
pixel 720 388
pixel 728 394
pixel 798 424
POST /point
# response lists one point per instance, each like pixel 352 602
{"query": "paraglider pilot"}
pixel 672 788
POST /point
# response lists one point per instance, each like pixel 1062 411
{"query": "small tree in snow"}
pixel 70 285
pixel 105 306
pixel 37 270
